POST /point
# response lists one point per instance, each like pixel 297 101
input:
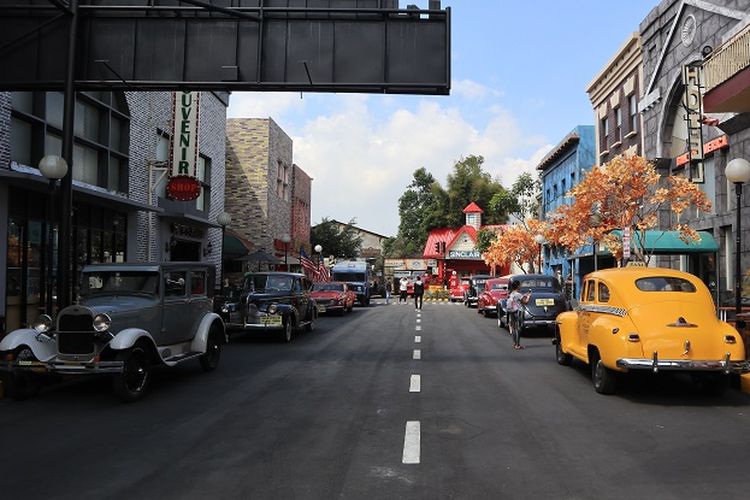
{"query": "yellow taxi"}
pixel 642 318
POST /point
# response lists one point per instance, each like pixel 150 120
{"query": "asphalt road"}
pixel 326 417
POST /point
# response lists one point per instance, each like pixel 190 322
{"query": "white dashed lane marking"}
pixel 418 328
pixel 417 354
pixel 417 339
pixel 419 320
pixel 415 385
pixel 412 438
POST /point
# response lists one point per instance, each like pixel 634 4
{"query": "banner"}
pixel 183 158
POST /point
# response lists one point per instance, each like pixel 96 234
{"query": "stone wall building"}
pixel 674 34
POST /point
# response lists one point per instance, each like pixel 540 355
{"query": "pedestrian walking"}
pixel 387 292
pixel 403 286
pixel 418 292
pixel 516 301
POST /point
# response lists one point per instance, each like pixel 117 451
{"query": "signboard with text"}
pixel 693 102
pixel 465 254
pixel 183 184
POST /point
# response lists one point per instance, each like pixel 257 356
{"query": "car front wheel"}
pixel 311 325
pixel 210 360
pixel 286 333
pixel 603 378
pixel 131 383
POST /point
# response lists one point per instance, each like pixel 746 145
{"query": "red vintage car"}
pixel 495 289
pixel 333 296
pixel 458 291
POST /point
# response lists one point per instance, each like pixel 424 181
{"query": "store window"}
pixel 101 137
pixel 203 173
pixel 618 124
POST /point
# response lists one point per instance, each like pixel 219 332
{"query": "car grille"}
pixel 324 302
pixel 75 334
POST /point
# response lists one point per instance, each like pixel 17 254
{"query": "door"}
pixel 176 320
pixel 585 316
pixel 199 301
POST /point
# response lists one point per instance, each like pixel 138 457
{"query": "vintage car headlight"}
pixel 225 308
pixel 102 322
pixel 43 323
pixel 272 309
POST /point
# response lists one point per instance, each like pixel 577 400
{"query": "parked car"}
pixel 274 302
pixel 129 318
pixel 476 285
pixel 653 319
pixel 546 302
pixel 333 296
pixel 495 290
pixel 458 292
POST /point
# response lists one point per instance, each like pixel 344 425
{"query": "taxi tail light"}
pixel 730 339
pixel 633 337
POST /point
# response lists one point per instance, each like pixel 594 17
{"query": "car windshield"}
pixel 119 283
pixel 541 284
pixel 499 286
pixel 269 283
pixel 664 284
pixel 328 287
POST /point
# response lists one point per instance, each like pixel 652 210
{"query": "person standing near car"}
pixel 418 292
pixel 516 300
pixel 403 286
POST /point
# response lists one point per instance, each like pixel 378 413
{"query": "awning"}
pixel 235 246
pixel 669 242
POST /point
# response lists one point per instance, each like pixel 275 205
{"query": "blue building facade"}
pixel 560 171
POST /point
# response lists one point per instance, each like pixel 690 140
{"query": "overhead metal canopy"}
pixel 256 45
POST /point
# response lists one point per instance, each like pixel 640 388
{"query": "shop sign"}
pixel 626 243
pixel 693 102
pixel 465 254
pixel 183 184
pixel 432 263
pixel 186 230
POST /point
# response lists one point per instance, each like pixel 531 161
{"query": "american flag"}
pixel 308 265
pixel 323 272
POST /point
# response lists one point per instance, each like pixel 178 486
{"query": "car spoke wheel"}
pixel 563 358
pixel 603 378
pixel 286 333
pixel 311 325
pixel 132 382
pixel 210 360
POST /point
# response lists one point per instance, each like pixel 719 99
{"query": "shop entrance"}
pixel 185 251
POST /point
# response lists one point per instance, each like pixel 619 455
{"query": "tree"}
pixel 625 193
pixel 485 237
pixel 420 209
pixel 516 245
pixel 469 182
pixel 337 240
pixel 521 201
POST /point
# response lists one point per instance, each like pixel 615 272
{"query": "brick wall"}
pixel 301 196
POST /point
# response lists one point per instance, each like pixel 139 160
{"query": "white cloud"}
pixel 264 104
pixel 472 90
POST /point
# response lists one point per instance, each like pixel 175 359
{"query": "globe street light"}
pixel 53 168
pixel 738 173
pixel 285 238
pixel 319 250
pixel 539 238
pixel 224 219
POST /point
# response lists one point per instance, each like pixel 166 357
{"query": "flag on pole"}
pixel 323 273
pixel 308 265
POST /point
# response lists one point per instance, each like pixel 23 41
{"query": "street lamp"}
pixel 539 238
pixel 319 250
pixel 285 238
pixel 224 219
pixel 53 168
pixel 738 173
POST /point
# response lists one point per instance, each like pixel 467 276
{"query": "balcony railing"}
pixel 728 60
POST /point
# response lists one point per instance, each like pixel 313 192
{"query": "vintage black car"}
pixel 275 302
pixel 546 302
pixel 476 285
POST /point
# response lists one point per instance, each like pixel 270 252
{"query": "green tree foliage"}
pixel 485 237
pixel 521 201
pixel 469 182
pixel 420 209
pixel 341 241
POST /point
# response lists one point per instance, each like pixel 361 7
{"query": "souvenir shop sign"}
pixel 183 184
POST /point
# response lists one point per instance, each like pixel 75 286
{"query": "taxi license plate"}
pixel 545 302
pixel 270 320
pixel 321 308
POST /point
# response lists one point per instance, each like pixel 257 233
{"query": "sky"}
pixel 519 77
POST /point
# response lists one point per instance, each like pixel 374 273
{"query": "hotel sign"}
pixel 693 102
pixel 465 254
pixel 183 184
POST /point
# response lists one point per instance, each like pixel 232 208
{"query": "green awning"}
pixel 235 246
pixel 669 242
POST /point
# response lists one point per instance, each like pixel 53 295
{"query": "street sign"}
pixel 626 243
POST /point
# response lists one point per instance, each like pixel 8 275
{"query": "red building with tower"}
pixel 456 249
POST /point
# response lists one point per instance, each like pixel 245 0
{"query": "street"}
pixel 325 417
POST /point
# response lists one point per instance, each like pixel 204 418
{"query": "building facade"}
pixel 614 94
pixel 301 203
pixel 561 170
pixel 673 35
pixel 120 211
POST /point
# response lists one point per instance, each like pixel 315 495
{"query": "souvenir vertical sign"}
pixel 183 185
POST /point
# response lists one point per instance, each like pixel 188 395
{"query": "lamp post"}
pixel 224 219
pixel 738 173
pixel 319 250
pixel 52 168
pixel 539 238
pixel 285 238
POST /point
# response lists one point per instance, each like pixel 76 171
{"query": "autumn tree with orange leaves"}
pixel 516 245
pixel 626 192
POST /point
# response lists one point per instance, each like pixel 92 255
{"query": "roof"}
pixel 568 142
pixel 356 228
pixel 439 235
pixel 473 208
pixel 463 229
pixel 669 242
